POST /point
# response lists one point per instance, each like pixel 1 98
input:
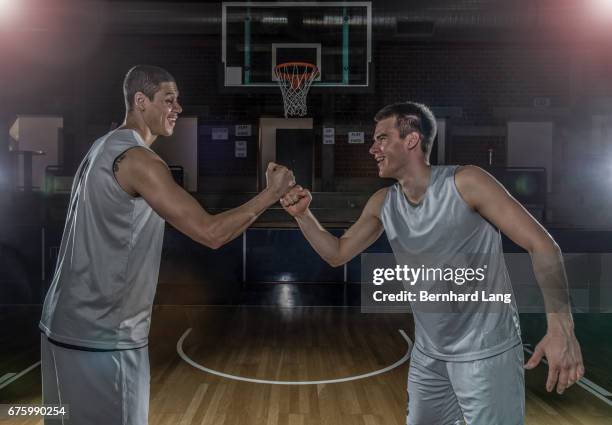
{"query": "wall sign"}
pixel 329 135
pixel 240 149
pixel 220 133
pixel 243 130
pixel 355 137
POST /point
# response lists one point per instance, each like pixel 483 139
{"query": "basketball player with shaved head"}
pixel 464 367
pixel 96 315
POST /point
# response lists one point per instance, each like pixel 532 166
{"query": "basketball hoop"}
pixel 295 79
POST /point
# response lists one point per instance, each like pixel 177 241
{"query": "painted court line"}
pixel 181 353
pixel 7 376
pixel 586 384
pixel 597 388
pixel 19 375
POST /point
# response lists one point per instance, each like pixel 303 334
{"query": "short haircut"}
pixel 146 79
pixel 412 116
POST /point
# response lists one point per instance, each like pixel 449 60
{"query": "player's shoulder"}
pixel 468 171
pixel 377 200
pixel 122 136
pixel 140 161
pixel 475 185
pixel 471 175
pixel 128 139
pixel 380 194
pixel 142 153
pixel 143 161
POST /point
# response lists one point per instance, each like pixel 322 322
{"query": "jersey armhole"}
pixel 115 177
pixel 456 190
pixel 385 200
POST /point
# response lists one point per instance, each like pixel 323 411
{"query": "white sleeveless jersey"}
pixel 444 227
pixel 102 292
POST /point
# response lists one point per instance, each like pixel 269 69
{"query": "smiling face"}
pixel 161 112
pixel 389 150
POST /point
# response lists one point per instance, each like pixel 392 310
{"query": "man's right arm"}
pixel 141 172
pixel 336 251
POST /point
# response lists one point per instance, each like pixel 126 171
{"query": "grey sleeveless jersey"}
pixel 443 227
pixel 102 292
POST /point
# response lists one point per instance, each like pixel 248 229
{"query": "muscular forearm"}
pixel 323 242
pixel 559 345
pixel 227 225
pixel 550 273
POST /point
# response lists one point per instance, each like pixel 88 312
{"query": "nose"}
pixel 374 148
pixel 177 107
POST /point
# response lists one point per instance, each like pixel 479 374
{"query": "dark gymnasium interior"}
pixel 521 88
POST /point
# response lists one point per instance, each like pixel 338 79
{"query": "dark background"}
pixel 477 63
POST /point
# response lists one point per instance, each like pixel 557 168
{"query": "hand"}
pixel 296 201
pixel 279 179
pixel 565 365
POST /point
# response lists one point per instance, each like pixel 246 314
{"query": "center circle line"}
pixel 181 353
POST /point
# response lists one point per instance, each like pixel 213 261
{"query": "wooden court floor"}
pixel 294 344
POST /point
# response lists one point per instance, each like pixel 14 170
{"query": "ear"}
pixel 412 140
pixel 139 101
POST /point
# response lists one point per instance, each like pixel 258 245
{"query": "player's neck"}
pixel 135 122
pixel 414 180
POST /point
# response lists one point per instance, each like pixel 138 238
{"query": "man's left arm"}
pixel 489 198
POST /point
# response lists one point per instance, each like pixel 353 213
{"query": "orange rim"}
pixel 281 72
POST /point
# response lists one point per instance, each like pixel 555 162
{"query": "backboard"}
pixel 335 36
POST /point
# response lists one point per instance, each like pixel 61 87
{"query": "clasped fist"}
pixel 296 201
pixel 279 179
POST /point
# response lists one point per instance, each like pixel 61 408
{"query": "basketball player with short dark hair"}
pixel 96 315
pixel 463 366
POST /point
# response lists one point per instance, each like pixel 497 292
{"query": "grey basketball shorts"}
pixel 488 391
pixel 99 387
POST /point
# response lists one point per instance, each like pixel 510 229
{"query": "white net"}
pixel 295 79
